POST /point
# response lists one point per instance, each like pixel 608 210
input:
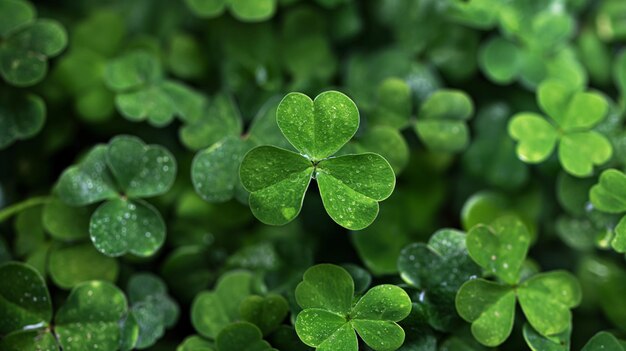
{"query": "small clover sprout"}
pixel 573 113
pixel 351 186
pixel 121 174
pixel 330 320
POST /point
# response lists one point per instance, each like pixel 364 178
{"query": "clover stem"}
pixel 14 209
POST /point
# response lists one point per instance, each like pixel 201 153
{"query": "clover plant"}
pixel 121 174
pixel 573 113
pixel 545 298
pixel 330 320
pixel 244 10
pixel 351 186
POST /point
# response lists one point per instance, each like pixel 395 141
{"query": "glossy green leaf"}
pixel 66 223
pixel 609 195
pixel 438 269
pixel 546 300
pixel 90 317
pixel 29 340
pixel 538 342
pixel 441 121
pixel 265 312
pixel 88 182
pixel 15 13
pixel 490 307
pixel 21 117
pixel 536 137
pixel 214 169
pixel 212 311
pixel 140 170
pixel 195 343
pixel 222 119
pixel 24 53
pixel 500 60
pixel 580 161
pixel 71 265
pixel 327 287
pixel 500 247
pixel 24 298
pixel 277 180
pixel 123 226
pixel 318 128
pixel 603 341
pixel 382 140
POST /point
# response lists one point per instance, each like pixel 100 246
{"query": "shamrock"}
pixel 89 319
pixel 609 196
pixel 219 136
pixel 243 10
pixel 573 114
pixel 26 43
pixel 604 341
pixel 143 93
pixel 21 117
pixel 329 318
pixel 538 342
pixel 545 298
pixel 438 269
pixel 350 186
pixel 122 173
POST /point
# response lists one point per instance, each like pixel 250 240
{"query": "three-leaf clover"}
pixel 350 186
pixel 329 318
pixel 142 92
pixel 545 298
pixel 26 43
pixel 243 10
pixel 122 173
pixel 88 320
pixel 609 196
pixel 438 269
pixel 573 113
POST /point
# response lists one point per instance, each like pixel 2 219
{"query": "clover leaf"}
pixel 604 341
pixel 609 196
pixel 441 121
pixel 90 318
pixel 195 343
pixel 265 312
pixel 143 93
pixel 500 248
pixel 122 172
pixel 214 170
pixel 212 311
pixel 351 186
pixel 438 269
pixel 26 43
pixel 242 336
pixel 151 307
pixel 21 117
pixel 545 298
pixel 385 141
pixel 538 342
pixel 394 104
pixel 573 114
pixel 329 318
pixel 70 265
pixel 243 10
pixel 24 298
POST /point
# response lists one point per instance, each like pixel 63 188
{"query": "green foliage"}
pixel 469 156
